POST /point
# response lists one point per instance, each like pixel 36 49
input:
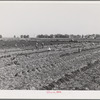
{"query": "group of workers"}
pixel 40 45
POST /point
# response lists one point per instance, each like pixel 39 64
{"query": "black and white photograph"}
pixel 50 46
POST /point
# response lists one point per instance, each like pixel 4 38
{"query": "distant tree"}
pixel 24 36
pixel 97 36
pixel 53 36
pixel 21 36
pixel 0 36
pixel 14 36
pixel 40 36
pixel 58 36
pixel 72 36
pixel 50 36
pixel 46 36
pixel 66 36
pixel 27 36
pixel 83 36
pixel 61 36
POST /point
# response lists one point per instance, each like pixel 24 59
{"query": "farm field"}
pixel 55 66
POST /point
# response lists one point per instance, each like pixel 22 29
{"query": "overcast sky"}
pixel 34 18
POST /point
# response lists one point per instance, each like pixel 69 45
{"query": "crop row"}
pixel 68 77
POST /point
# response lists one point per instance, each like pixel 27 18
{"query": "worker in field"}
pixel 55 46
pixel 23 45
pixel 15 45
pixel 3 44
pixel 93 44
pixel 42 45
pixel 49 49
pixel 37 45
pixel 79 49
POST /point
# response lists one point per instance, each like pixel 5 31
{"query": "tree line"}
pixel 53 36
pixel 72 36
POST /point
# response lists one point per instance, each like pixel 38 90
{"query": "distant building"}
pixel 93 36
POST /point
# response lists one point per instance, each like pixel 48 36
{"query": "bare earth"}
pixel 63 67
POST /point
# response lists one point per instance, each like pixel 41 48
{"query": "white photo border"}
pixel 52 94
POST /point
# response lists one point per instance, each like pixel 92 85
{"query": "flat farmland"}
pixel 56 65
